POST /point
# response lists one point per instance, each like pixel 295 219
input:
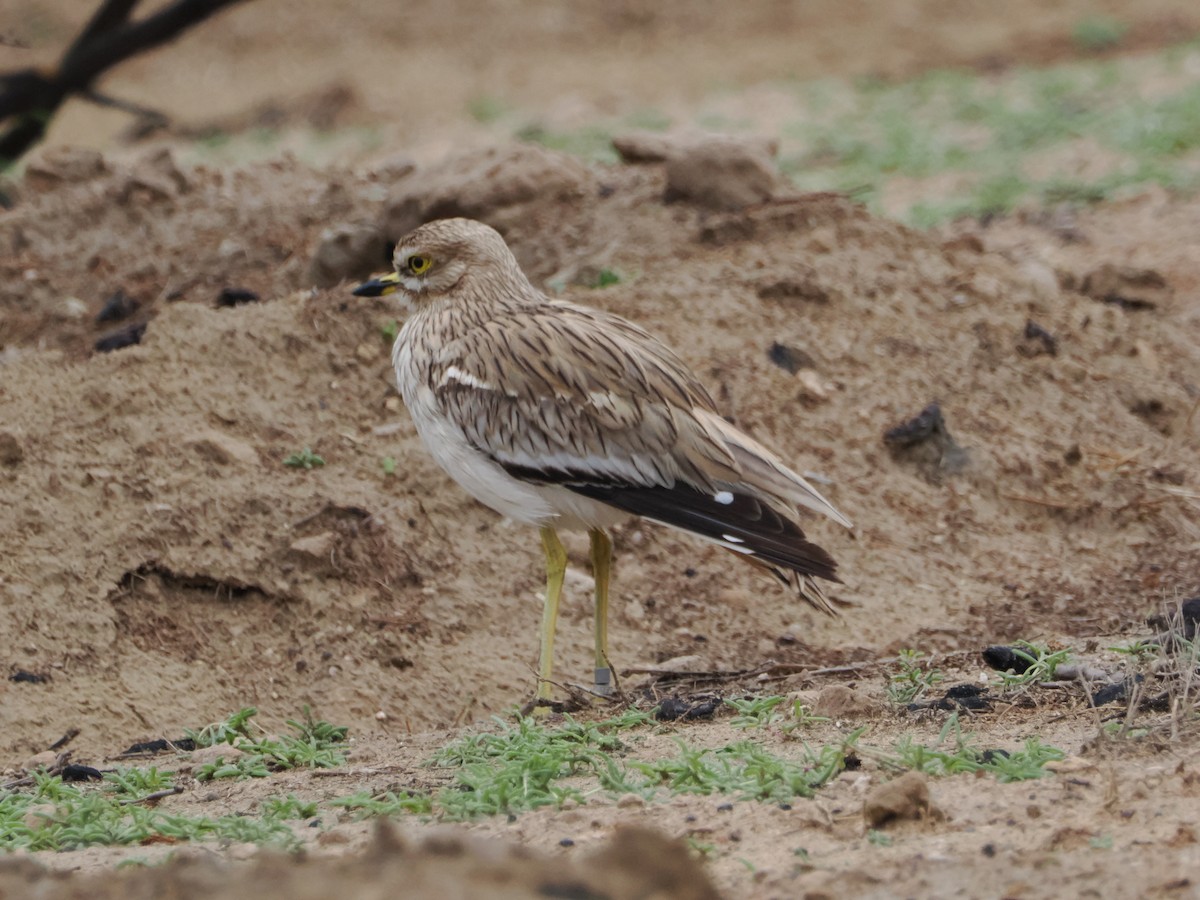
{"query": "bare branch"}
pixel 31 97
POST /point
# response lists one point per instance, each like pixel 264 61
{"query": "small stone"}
pixel 837 701
pixel 812 385
pixel 630 801
pixel 74 308
pixel 367 351
pixel 221 448
pixel 381 716
pixel 318 546
pixel 43 760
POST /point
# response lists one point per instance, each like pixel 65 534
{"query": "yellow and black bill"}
pixel 378 287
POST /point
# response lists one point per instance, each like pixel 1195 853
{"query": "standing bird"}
pixel 561 416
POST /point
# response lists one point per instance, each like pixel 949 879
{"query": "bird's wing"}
pixel 559 393
pixel 562 394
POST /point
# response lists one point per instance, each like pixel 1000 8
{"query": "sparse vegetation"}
pixel 1096 33
pixel 313 744
pixel 913 679
pixel 1040 664
pixel 305 459
pixel 962 756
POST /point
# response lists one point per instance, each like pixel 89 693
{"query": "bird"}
pixel 566 417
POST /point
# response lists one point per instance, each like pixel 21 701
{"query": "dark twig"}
pixel 29 98
pixel 155 797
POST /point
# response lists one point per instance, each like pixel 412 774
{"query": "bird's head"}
pixel 441 257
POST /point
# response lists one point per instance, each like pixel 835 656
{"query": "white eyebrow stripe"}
pixel 454 373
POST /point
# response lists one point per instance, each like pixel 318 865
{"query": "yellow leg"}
pixel 556 567
pixel 601 567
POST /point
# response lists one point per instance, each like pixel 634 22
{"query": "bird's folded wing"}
pixel 561 393
pixel 569 395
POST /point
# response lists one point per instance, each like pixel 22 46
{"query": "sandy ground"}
pixel 163 567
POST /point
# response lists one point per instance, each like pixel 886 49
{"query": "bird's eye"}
pixel 419 265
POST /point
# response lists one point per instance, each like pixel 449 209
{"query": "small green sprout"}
pixel 913 679
pixel 305 459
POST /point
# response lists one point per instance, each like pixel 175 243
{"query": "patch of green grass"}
pixel 1096 33
pixel 289 808
pixel 877 838
pixel 313 744
pixel 592 142
pixel 388 803
pixel 961 756
pixel 486 109
pixel 389 330
pixel 228 730
pixel 137 783
pixel 388 464
pixel 764 712
pixel 912 679
pixel 755 712
pixel 747 771
pixel 648 120
pixel 1009 140
pixel 605 278
pixel 305 459
pixel 526 766
pixel 59 816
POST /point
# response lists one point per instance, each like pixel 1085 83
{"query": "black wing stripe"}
pixel 744 521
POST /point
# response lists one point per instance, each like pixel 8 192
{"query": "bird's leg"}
pixel 556 568
pixel 601 566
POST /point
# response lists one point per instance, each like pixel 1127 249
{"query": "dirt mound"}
pixel 163 565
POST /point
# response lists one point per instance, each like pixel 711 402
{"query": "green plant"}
pixel 228 730
pixel 605 278
pixel 1041 664
pixel 388 464
pixel 138 783
pixel 802 717
pixel 1098 33
pixel 315 744
pixel 1006 766
pixel 878 838
pixel 486 108
pixel 389 330
pixel 305 459
pixel 54 815
pixel 913 679
pixel 289 808
pixel 755 712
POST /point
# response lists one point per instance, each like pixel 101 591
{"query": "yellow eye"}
pixel 419 265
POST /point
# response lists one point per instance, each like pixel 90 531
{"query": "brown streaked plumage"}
pixel 562 416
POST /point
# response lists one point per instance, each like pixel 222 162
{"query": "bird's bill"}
pixel 378 287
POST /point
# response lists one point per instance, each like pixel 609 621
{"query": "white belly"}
pixel 484 479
